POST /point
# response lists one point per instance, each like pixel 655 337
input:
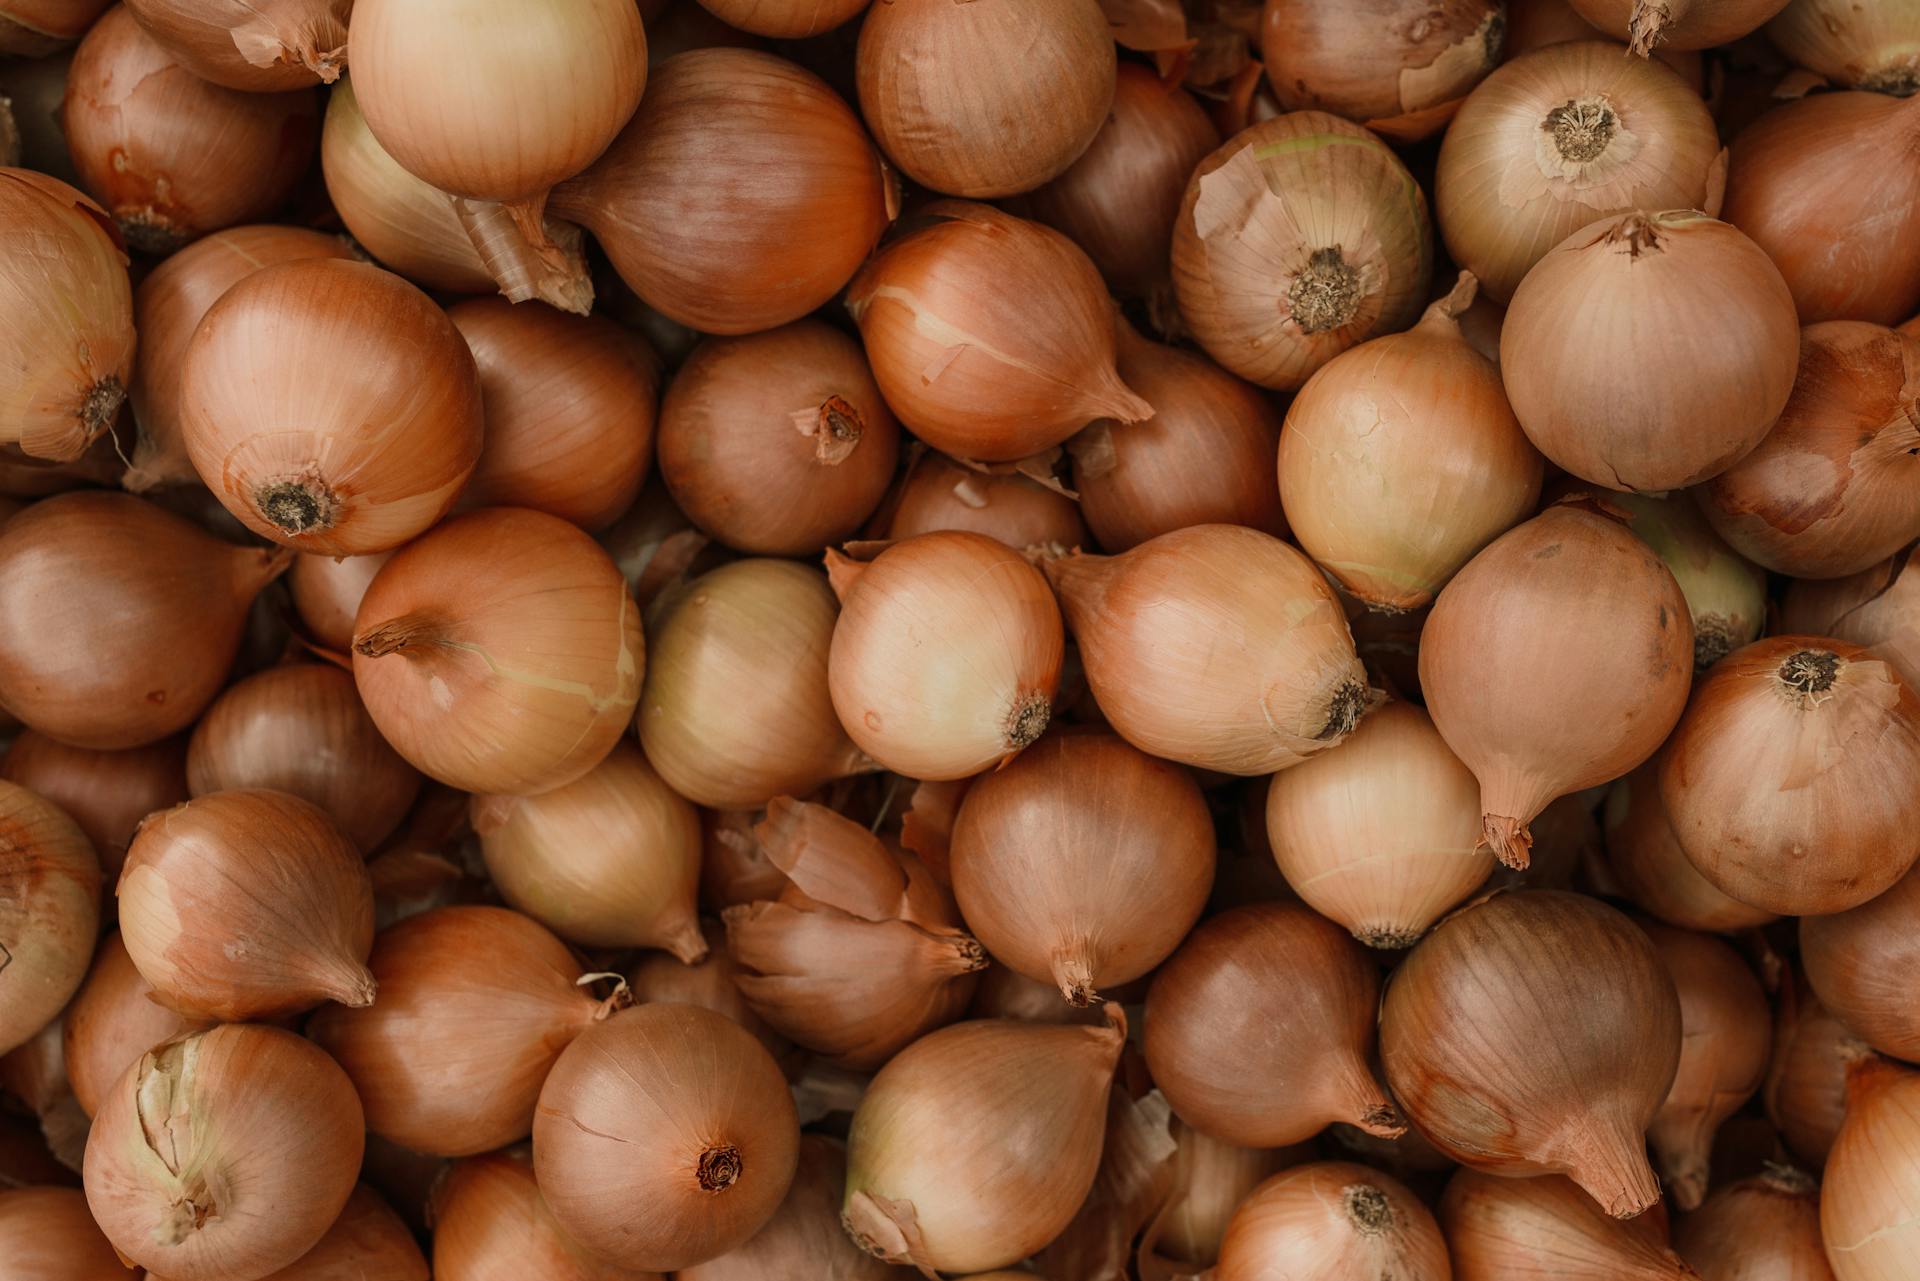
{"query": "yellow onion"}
pixel 327 591
pixel 918 683
pixel 990 336
pixel 1401 458
pixel 975 1145
pixel 1726 594
pixel 500 653
pixel 1861 963
pixel 1135 1165
pixel 1558 138
pixel 29 28
pixel 171 156
pixel 368 1242
pixel 112 1021
pixel 48 1234
pixel 1872 46
pixel 787 20
pixel 862 952
pixel 224 1153
pixel 1398 63
pixel 106 793
pixel 943 85
pixel 476 1004
pixel 713 982
pixel 1298 238
pixel 1874 608
pixel 1873 1176
pixel 1545 1229
pixel 257 45
pixel 760 627
pixel 35 1073
pixel 1792 745
pixel 1830 490
pixel 1209 1179
pixel 1681 24
pixel 611 859
pixel 1652 871
pixel 777 443
pixel 1329 1221
pixel 67 325
pixel 1762 1227
pixel 804 1237
pixel 1557 660
pixel 1217 646
pixel 1806 1088
pixel 49 913
pixel 938 493
pixel 490 1223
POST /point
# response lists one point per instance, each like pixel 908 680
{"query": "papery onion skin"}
pixel 1876 608
pixel 1546 1229
pixel 784 19
pixel 1381 60
pixel 1298 238
pixel 527 619
pixel 938 493
pixel 1209 1180
pixel 1763 1228
pixel 48 1234
pixel 30 28
pixel 1330 1221
pixel 111 1022
pixel 491 1224
pixel 1651 869
pixel 1469 1013
pixel 368 1242
pixel 1510 183
pixel 1857 46
pixel 1682 24
pixel 106 793
pixel 327 591
pixel 709 982
pixel 261 46
pixel 804 1237
pixel 1863 964
pixel 1868 1190
pixel 49 912
pixel 655 546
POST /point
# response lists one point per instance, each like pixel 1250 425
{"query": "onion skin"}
pixel 1545 1229
pixel 710 982
pixel 111 1022
pixel 1651 869
pixel 938 493
pixel 1764 1228
pixel 1875 608
pixel 1862 964
pixel 368 1242
pixel 106 793
pixel 1209 1180
pixel 1856 46
pixel 491 1224
pixel 1259 1029
pixel 249 45
pixel 804 1237
pixel 1331 1221
pixel 785 20
pixel 30 28
pixel 49 912
pixel 327 591
pixel 1868 1189
pixel 1084 861
pixel 1681 24
pixel 48 1234
pixel 1469 1011
pixel 1380 61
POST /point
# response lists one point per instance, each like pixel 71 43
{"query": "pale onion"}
pixel 1536 1033
pixel 1083 862
pixel 975 1145
pixel 327 591
pixel 1218 646
pixel 610 860
pixel 1398 63
pixel 1558 138
pixel 712 982
pixel 1332 1221
pixel 804 1237
pixel 368 1242
pixel 1401 459
pixel 1805 1093
pixel 500 653
pixel 1762 1228
pixel 1872 1179
pixel 1298 238
pixel 787 20
pixel 1651 870
pixel 257 45
pixel 30 28
pixel 1682 24
pixel 736 709
pixel 111 1022
pixel 1557 660
pixel 106 793
pixel 1208 1179
pixel 1872 46
pixel 1547 1230
pixel 49 912
pixel 1726 594
pixel 938 493
pixel 1879 607
pixel 917 682
pixel 1259 1029
pixel 990 336
pixel 1862 964
pixel 490 1223
pixel 73 569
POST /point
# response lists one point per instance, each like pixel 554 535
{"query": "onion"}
pixel 1217 646
pixel 569 410
pixel 373 463
pixel 665 1136
pixel 804 1237
pixel 1399 63
pixel 106 793
pixel 1536 1033
pixel 975 1145
pixel 1766 1226
pixel 66 325
pixel 1009 994
pixel 656 546
pixel 1681 24
pixel 1866 1214
pixel 786 20
pixel 777 443
pixel 35 88
pixel 991 337
pixel 368 1242
pixel 1298 238
pixel 1862 964
pixel 247 44
pixel 1831 489
pixel 862 953
pixel 1084 862
pixel 73 569
pixel 1857 46
pixel 611 859
pixel 491 1224
pixel 112 1021
pixel 47 1234
pixel 30 28
pixel 49 912
pixel 302 730
pixel 327 591
pixel 712 982
pixel 1201 458
pixel 1558 138
pixel 1208 1181
pixel 938 493
pixel 1546 1230
pixel 224 1153
pixel 917 682
pixel 1329 1221
pixel 1874 608
pixel 1458 469
pixel 759 625
pixel 171 156
pixel 408 882
pixel 985 100
pixel 1258 1030
pixel 1653 872
pixel 1726 594
pixel 501 653
pixel 1806 1087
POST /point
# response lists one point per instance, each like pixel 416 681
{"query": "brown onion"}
pixel 106 793
pixel 171 156
pixel 30 28
pixel 1298 238
pixel 1536 1033
pixel 712 982
pixel 656 546
pixel 1546 1230
pixel 938 493
pixel 1857 46
pixel 1726 594
pixel 1653 872
pixel 1681 24
pixel 1873 1176
pixel 1208 1181
pixel 1395 62
pixel 665 1136
pixel 327 591
pixel 257 45
pixel 1217 646
pixel 991 337
pixel 1806 1087
pixel 804 1237
pixel 500 653
pixel 1331 1221
pixel 49 912
pixel 112 1021
pixel 777 443
pixel 490 1223
pixel 368 1242
pixel 788 20
pixel 1258 1030
pixel 1763 1228
pixel 1875 608
pixel 48 1234
pixel 1862 964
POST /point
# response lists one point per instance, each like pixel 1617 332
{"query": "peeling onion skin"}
pixel 111 1021
pixel 1854 45
pixel 1546 1229
pixel 1332 1221
pixel 106 793
pixel 490 1223
pixel 1763 1228
pixel 1864 965
pixel 1382 59
pixel 49 912
pixel 1680 24
pixel 1873 1176
pixel 48 1234
pixel 260 46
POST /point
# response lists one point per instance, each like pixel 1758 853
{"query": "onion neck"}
pixel 1610 1163
pixel 835 428
pixel 683 939
pixel 1360 1102
pixel 1509 838
pixel 1072 967
pixel 528 254
pixel 345 981
pixel 1648 25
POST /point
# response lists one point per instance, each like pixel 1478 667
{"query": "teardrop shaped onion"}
pixel 48 1234
pixel 1653 872
pixel 490 1223
pixel 918 683
pixel 327 591
pixel 1805 1094
pixel 1764 1226
pixel 106 793
pixel 1217 646
pixel 1873 1176
pixel 500 653
pixel 975 1145
pixel 938 493
pixel 1863 964
pixel 49 913
pixel 1546 1229
pixel 1331 1220
pixel 1301 236
pixel 990 336
pixel 1879 607
pixel 804 1237
pixel 111 1022
pixel 261 46
pixel 1557 660
pixel 1536 1033
pixel 1856 46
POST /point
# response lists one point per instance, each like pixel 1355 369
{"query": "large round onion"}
pixel 1399 63
pixel 1878 607
pixel 1873 1176
pixel 49 913
pixel 257 45
pixel 1863 964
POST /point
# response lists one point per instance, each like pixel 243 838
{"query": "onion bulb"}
pixel 1545 1229
pixel 1726 594
pixel 47 1233
pixel 1681 24
pixel 490 1223
pixel 975 1145
pixel 1259 1029
pixel 1805 1093
pixel 1208 1181
pixel 1458 469
pixel 713 982
pixel 106 793
pixel 1558 138
pixel 500 653
pixel 990 336
pixel 664 1136
pixel 250 45
pixel 1652 871
pixel 111 1022
pixel 1873 1176
pixel 30 28
pixel 73 569
pixel 49 912
pixel 1872 46
pixel 785 20
pixel 1879 607
pixel 1397 62
pixel 1332 1220
pixel 804 1237
pixel 368 1242
pixel 1536 1033
pixel 1298 238
pixel 1863 963
pixel 1760 1228
pixel 918 683
pixel 327 591
pixel 938 493
pixel 1084 862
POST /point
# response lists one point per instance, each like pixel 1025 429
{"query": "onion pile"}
pixel 1397 66
pixel 246 44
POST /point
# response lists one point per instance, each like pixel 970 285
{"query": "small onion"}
pixel 938 493
pixel 804 1237
pixel 1872 46
pixel 1878 607
pixel 491 1224
pixel 1763 1228
pixel 30 28
pixel 1805 1093
pixel 257 45
pixel 368 1242
pixel 1862 964
pixel 1873 1176
pixel 1208 1181
pixel 712 981
pixel 1332 1221
pixel 112 1021
pixel 106 793
pixel 1298 238
pixel 1653 872
pixel 1726 594
pixel 327 591
pixel 48 1234
pixel 1681 24
pixel 1547 1230
pixel 1384 61
pixel 49 912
